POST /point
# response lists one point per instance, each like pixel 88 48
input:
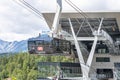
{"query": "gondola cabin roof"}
pixel 43 37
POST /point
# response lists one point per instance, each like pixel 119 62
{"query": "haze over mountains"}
pixel 13 47
pixel 17 46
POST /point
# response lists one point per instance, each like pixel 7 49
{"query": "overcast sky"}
pixel 17 23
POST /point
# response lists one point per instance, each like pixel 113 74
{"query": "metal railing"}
pixel 116 74
pixel 109 42
pixel 104 76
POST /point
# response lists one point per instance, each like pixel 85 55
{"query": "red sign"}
pixel 40 48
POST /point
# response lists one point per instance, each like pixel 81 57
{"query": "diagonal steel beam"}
pixel 80 26
pixel 90 58
pixel 57 16
pixel 80 56
pixel 76 43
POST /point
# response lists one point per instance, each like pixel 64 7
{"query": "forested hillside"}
pixel 23 66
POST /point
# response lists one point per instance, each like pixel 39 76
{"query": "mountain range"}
pixel 13 47
pixel 18 46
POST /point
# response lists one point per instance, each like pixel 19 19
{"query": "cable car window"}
pixel 47 43
pixel 40 42
pixel 57 43
pixel 52 42
pixel 61 44
pixel 31 43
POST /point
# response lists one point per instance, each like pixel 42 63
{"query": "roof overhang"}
pixel 49 16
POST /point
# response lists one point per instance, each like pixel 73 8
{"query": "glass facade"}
pixel 62 69
pixel 102 48
pixel 104 73
pixel 117 70
pixel 102 59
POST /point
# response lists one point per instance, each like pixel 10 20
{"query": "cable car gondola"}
pixel 44 44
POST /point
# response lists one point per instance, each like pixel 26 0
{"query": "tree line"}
pixel 23 66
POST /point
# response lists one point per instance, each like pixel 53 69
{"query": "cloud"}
pixel 82 4
pixel 16 23
pixel 16 37
pixel 21 24
pixel 113 5
pixel 86 5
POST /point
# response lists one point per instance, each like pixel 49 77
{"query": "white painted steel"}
pixel 81 60
pixel 57 16
pixel 90 58
pixel 86 38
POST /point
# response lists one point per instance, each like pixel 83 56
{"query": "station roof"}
pixel 111 22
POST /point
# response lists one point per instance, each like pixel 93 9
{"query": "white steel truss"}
pixel 85 67
pixel 78 48
pixel 98 35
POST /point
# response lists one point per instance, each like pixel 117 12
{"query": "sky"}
pixel 18 23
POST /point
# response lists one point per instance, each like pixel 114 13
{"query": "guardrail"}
pixel 104 76
pixel 109 42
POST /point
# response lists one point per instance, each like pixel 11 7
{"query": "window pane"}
pixel 102 59
pixel 39 42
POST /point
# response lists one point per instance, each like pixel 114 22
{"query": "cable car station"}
pixel 96 36
pixel 93 38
